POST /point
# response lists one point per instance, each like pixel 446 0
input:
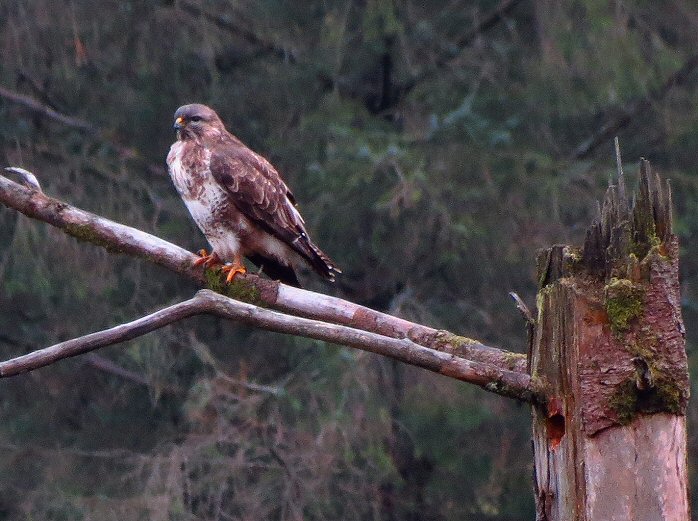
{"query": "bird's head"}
pixel 196 121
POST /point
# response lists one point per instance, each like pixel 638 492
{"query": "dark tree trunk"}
pixel 608 348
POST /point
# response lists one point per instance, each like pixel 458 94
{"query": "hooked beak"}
pixel 179 123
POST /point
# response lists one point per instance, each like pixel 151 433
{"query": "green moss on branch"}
pixel 239 289
pixel 86 233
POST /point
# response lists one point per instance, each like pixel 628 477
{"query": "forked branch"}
pixel 500 381
pixel 118 238
pixel 314 315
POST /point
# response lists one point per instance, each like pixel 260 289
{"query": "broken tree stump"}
pixel 608 349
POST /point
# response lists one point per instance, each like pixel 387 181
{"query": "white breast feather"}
pixel 202 202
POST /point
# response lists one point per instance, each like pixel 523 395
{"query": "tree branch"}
pixel 118 238
pixel 611 128
pixel 86 127
pixel 46 111
pixel 496 380
pixel 229 24
pixel 488 21
pixel 89 227
pixel 87 343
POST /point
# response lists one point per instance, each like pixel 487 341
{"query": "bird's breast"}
pixel 207 201
pixel 189 167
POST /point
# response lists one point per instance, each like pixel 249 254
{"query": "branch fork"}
pixel 292 310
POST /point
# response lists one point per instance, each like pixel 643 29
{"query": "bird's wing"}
pixel 256 188
pixel 258 191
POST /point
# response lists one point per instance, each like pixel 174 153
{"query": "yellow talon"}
pixel 208 261
pixel 232 270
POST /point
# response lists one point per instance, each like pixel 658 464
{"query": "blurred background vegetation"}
pixel 433 145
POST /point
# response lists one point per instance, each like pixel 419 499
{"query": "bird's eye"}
pixel 195 118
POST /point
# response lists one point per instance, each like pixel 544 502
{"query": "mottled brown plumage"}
pixel 238 200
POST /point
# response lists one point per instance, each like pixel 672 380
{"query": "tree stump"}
pixel 609 350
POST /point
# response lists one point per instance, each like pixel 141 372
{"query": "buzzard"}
pixel 239 201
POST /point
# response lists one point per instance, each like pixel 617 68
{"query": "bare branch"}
pixel 84 344
pixel 95 360
pixel 629 112
pixel 338 311
pixel 496 380
pixel 118 238
pixel 492 378
pixel 46 111
pixel 487 22
pixel 29 179
pixel 86 127
pixel 229 24
pixel 89 227
pixel 106 365
pixel 207 358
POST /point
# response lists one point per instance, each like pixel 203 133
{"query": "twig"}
pixel 24 76
pixel 106 365
pixel 241 30
pixel 523 308
pixel 118 238
pixel 496 380
pixel 204 354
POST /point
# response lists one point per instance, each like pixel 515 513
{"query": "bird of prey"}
pixel 239 201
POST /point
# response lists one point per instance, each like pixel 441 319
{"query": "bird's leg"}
pixel 234 268
pixel 208 261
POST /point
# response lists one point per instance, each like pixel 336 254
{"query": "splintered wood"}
pixel 609 352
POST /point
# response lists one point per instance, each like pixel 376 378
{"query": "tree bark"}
pixel 503 382
pixel 609 350
pixel 118 238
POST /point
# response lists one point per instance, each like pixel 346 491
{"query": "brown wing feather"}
pixel 259 192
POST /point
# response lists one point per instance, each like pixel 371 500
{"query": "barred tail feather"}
pixel 317 259
pixel 323 264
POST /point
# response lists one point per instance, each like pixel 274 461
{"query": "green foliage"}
pixel 433 196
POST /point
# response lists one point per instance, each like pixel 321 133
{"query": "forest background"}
pixel 434 147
